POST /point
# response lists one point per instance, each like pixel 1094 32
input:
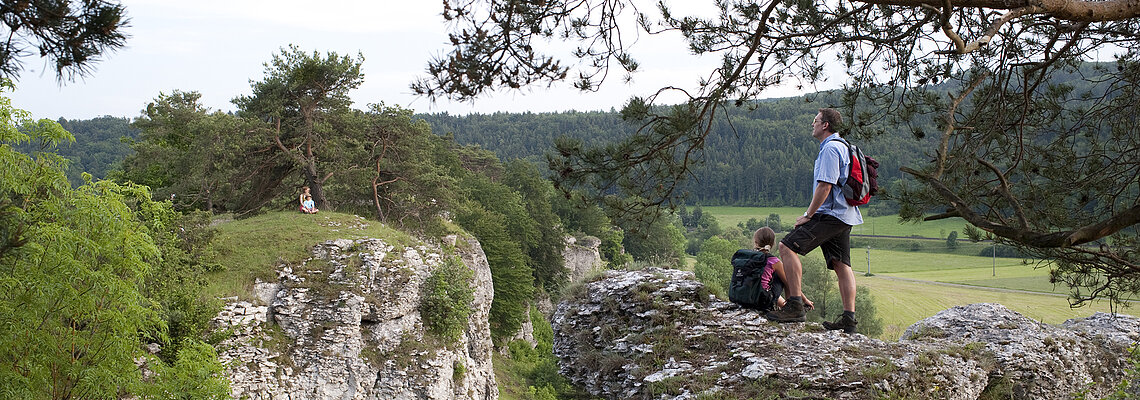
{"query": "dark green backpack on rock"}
pixel 745 288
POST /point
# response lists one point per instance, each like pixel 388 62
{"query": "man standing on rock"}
pixel 826 224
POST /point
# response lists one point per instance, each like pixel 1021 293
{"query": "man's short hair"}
pixel 832 118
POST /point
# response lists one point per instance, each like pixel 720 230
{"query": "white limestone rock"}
pixel 656 333
pixel 580 256
pixel 345 325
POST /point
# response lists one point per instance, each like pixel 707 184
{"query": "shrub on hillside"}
pixel 714 266
pixel 446 300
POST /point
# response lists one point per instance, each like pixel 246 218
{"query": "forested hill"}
pixel 99 146
pixel 760 157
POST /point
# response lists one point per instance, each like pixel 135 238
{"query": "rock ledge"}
pixel 658 334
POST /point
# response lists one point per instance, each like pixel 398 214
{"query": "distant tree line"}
pixel 761 155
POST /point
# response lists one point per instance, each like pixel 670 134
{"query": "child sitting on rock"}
pixel 762 240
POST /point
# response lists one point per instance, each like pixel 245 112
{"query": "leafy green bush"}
pixel 177 281
pixel 74 263
pixel 714 267
pixel 531 373
pixel 195 374
pixel 446 300
pixel 660 240
pixel 510 274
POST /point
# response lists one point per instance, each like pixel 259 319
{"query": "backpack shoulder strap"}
pixel 851 153
pixel 842 140
pixel 767 256
pixel 744 257
pixel 743 253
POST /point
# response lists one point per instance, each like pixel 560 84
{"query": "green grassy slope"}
pixel 252 248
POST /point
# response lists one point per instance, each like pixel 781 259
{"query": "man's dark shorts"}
pixel 826 232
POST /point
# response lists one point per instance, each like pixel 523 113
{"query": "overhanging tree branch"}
pixel 1067 238
pixel 1007 114
pixel 1004 189
pixel 944 148
pixel 1069 10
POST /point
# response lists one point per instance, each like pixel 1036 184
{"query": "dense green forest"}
pixel 758 155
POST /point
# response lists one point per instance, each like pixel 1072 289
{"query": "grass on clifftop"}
pixel 252 248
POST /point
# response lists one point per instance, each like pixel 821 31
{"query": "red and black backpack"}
pixel 862 177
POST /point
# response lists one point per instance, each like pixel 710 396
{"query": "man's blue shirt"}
pixel 831 166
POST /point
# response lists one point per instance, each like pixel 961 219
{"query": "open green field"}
pixel 894 261
pixel 911 285
pixel 882 225
pixel 901 303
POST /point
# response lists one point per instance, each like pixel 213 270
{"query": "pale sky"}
pixel 216 48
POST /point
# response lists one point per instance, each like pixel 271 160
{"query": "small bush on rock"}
pixel 446 300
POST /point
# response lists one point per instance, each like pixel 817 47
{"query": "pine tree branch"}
pixel 1069 10
pixel 1069 238
pixel 1005 192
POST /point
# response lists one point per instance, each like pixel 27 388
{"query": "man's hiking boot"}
pixel 793 311
pixel 847 324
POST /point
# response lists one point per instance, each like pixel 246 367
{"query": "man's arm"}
pixel 822 190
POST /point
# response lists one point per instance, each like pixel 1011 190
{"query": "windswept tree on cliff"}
pixel 396 172
pixel 1047 167
pixel 303 100
pixel 189 154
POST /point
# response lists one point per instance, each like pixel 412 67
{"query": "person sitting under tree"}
pixel 307 205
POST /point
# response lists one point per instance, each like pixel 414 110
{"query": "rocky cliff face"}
pixel 657 334
pixel 581 256
pixel 346 325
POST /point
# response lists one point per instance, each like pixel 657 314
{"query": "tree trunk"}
pixel 376 184
pixel 209 201
pixel 316 186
